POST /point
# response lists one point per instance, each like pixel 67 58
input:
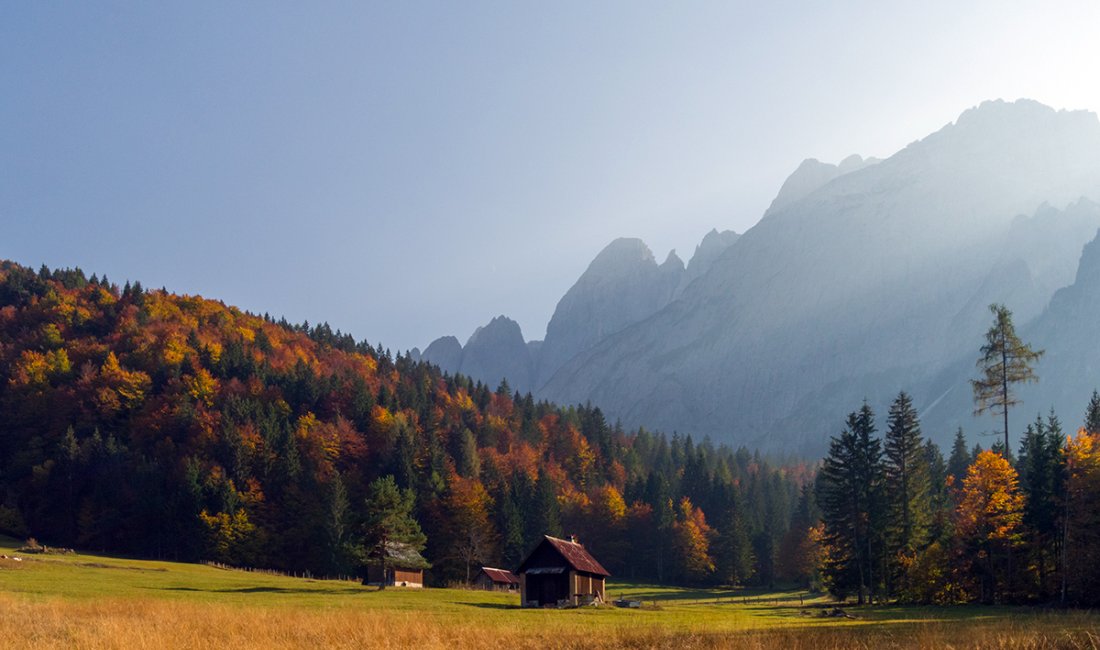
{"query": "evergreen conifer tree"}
pixel 959 460
pixel 909 510
pixel 391 535
pixel 1041 469
pixel 850 497
pixel 1092 414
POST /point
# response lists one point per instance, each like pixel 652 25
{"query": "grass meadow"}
pixel 88 601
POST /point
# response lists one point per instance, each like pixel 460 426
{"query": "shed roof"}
pixel 573 553
pixel 500 576
pixel 404 556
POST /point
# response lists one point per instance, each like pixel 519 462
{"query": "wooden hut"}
pixel 560 572
pixel 404 567
pixel 492 579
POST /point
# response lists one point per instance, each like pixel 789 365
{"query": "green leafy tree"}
pixel 1005 361
pixel 391 536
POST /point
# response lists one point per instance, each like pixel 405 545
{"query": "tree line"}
pixel 899 521
pixel 158 425
pixel 141 422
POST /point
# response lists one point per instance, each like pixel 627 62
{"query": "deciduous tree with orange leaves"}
pixel 989 521
pixel 1081 560
pixel 691 543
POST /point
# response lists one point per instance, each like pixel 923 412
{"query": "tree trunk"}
pixel 1004 388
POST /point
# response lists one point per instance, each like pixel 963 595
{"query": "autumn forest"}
pixel 156 425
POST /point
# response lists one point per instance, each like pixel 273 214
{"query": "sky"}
pixel 409 170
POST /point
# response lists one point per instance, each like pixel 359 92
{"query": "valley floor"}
pixel 85 601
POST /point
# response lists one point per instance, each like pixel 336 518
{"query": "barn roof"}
pixel 573 553
pixel 500 576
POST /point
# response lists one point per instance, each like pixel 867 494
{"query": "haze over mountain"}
pixel 623 285
pixel 862 279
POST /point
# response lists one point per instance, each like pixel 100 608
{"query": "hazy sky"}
pixel 408 170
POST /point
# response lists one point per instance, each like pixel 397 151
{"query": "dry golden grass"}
pixel 98 602
pixel 156 624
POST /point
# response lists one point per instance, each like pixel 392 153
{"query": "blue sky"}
pixel 407 170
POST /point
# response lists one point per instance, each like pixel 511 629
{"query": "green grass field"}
pixel 94 601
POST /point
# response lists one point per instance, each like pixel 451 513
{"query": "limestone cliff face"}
pixel 713 246
pixel 874 281
pixel 445 352
pixel 494 352
pixel 497 351
pixel 622 286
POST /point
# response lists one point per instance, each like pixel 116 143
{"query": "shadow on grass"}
pixel 275 590
pixel 491 605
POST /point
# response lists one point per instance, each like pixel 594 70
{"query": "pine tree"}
pixel 849 495
pixel 1005 360
pixel 909 510
pixel 337 543
pixel 959 460
pixel 547 512
pixel 733 548
pixel 1041 470
pixel 390 533
pixel 510 523
pixel 1092 414
pixel 938 494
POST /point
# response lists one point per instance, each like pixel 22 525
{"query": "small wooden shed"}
pixel 561 571
pixel 492 579
pixel 404 567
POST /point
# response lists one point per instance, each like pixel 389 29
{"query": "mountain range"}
pixel 860 280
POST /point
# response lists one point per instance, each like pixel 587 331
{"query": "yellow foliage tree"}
pixel 1082 519
pixel 202 387
pixel 229 536
pixel 122 389
pixel 989 520
pixel 691 542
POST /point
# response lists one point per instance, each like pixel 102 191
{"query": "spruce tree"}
pixel 1041 470
pixel 733 550
pixel 1092 414
pixel 391 535
pixel 849 495
pixel 338 547
pixel 909 510
pixel 938 496
pixel 959 460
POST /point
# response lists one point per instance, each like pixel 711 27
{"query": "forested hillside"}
pixel 160 425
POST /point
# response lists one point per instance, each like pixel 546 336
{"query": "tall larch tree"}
pixel 1005 361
